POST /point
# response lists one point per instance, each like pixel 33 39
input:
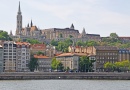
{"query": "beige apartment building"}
pixel 70 60
pixel 102 54
pixel 44 63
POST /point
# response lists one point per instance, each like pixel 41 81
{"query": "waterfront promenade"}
pixel 64 75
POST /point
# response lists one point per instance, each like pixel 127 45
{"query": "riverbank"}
pixel 62 75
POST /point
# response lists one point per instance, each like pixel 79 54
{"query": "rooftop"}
pixel 22 43
pixel 38 46
pixel 106 47
pixel 40 56
pixel 71 54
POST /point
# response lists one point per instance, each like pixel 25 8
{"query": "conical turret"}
pixel 19 9
pixel 72 26
pixel 83 32
pixel 28 25
pixel 31 23
pixel 11 33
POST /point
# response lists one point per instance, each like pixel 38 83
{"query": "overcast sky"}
pixel 96 16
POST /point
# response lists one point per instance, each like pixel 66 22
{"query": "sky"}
pixel 96 16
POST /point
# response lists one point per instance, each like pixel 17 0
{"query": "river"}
pixel 64 85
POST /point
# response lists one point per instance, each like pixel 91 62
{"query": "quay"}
pixel 64 75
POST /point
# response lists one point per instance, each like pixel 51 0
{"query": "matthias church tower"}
pixel 19 21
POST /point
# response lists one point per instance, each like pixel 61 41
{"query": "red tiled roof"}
pixel 38 46
pixel 40 56
pixel 71 54
pixel 33 28
pixel 22 43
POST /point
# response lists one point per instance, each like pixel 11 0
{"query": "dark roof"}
pixel 124 51
pixel 65 29
pixel 93 34
pixel 106 48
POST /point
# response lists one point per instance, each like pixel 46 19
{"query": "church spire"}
pixel 19 10
pixel 84 32
pixel 11 33
pixel 19 21
pixel 72 26
pixel 31 23
pixel 28 25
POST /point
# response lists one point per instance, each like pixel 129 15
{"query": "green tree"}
pixel 4 35
pixel 114 35
pixel 70 36
pixel 56 65
pixel 54 43
pixel 80 43
pixel 109 66
pixel 33 41
pixel 85 64
pixel 60 35
pixel 63 45
pixel 33 64
pixel 60 66
pixel 40 53
pixel 91 43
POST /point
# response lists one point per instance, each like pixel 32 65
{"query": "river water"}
pixel 64 85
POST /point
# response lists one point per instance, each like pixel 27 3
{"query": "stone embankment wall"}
pixel 53 75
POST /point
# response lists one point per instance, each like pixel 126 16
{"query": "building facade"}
pixel 60 33
pixel 38 47
pixel 9 56
pixel 124 39
pixel 124 54
pixel 103 54
pixel 70 60
pixel 44 63
pixel 30 31
pixel 23 56
pixel 1 58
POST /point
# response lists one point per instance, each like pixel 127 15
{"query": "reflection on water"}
pixel 64 85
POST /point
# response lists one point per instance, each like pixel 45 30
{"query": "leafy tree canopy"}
pixel 33 64
pixel 118 66
pixel 4 35
pixel 40 53
pixel 56 65
pixel 85 64
pixel 33 41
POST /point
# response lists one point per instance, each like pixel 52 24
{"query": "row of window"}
pixel 106 57
pixel 106 53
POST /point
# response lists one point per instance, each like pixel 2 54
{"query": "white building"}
pixel 23 56
pixel 9 64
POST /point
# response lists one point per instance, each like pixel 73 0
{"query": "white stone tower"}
pixel 19 21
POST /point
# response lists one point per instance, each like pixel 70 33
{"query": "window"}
pixel 23 54
pixel 23 61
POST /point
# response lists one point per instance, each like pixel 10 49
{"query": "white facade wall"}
pixel 23 58
pixel 1 59
pixel 9 56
